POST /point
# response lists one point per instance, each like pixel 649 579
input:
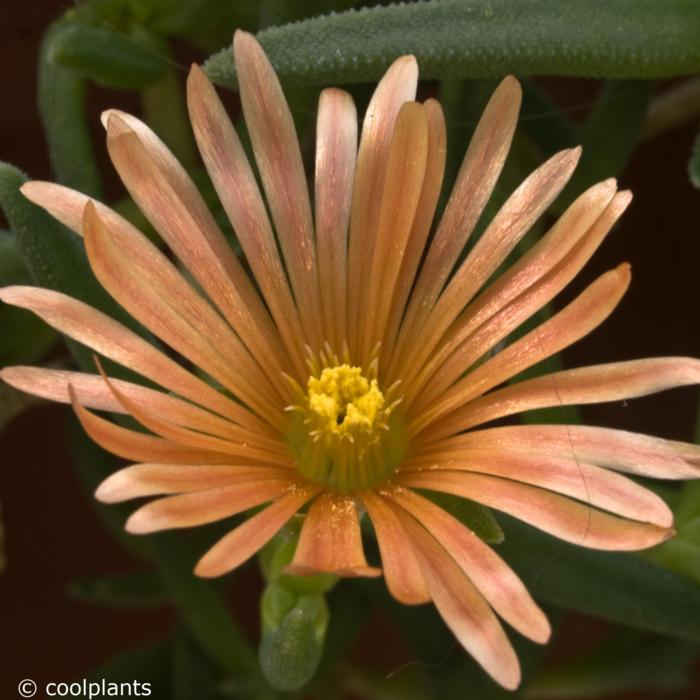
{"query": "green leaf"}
pixel 56 258
pixel 485 39
pixel 107 56
pixel 622 588
pixel 624 663
pixel 476 517
pixel 62 109
pixel 694 163
pixel 142 590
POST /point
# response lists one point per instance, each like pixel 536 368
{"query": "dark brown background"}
pixel 52 533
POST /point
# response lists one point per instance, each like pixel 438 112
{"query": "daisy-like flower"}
pixel 352 368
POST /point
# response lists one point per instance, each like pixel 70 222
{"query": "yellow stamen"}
pixel 344 429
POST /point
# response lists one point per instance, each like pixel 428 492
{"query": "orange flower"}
pixel 354 366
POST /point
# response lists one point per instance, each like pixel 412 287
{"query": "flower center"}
pixel 345 432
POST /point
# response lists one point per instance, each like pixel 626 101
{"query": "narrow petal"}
pixel 172 203
pixel 330 540
pixel 462 607
pixel 336 155
pixel 615 381
pixel 432 184
pixel 633 453
pixel 109 338
pixel 92 392
pixel 400 196
pixel 480 169
pixel 141 480
pixel 571 477
pixel 276 147
pixel 145 283
pixel 165 428
pixel 494 579
pixel 235 183
pixel 207 506
pixel 396 87
pixel 567 326
pixel 559 516
pixel 243 542
pixel 134 445
pixel 468 347
pixel 512 222
pixel 402 572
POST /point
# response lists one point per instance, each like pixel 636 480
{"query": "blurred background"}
pixel 61 620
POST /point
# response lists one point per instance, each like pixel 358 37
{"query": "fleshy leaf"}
pixel 621 588
pixel 107 56
pixel 480 39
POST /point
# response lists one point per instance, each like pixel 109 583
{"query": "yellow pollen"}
pixel 344 431
pixel 345 399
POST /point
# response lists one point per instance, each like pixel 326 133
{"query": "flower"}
pixel 353 367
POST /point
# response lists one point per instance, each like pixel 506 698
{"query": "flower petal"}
pixel 567 326
pixel 481 326
pixel 432 184
pixel 138 446
pixel 398 85
pixel 172 203
pixel 402 572
pixel 493 578
pixel 145 283
pixel 633 453
pixel 148 479
pixel 560 516
pixel 512 222
pixel 571 477
pixel 276 147
pixel 205 506
pixel 109 338
pixel 92 392
pixel 462 607
pixel 330 540
pixel 240 544
pixel 400 196
pixel 336 155
pixel 234 180
pixel 614 381
pixel 480 169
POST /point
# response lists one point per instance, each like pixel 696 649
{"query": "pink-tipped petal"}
pixel 139 480
pixel 235 183
pixel 205 506
pixel 92 392
pixel 615 381
pixel 475 182
pixel 462 607
pixel 243 542
pixel 588 483
pixel 276 147
pixel 570 324
pixel 512 222
pixel 173 204
pixel 494 579
pixel 396 87
pixel 400 196
pixel 150 288
pixel 336 155
pixel 138 446
pixel 330 540
pixel 559 516
pixel 633 453
pixel 402 572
